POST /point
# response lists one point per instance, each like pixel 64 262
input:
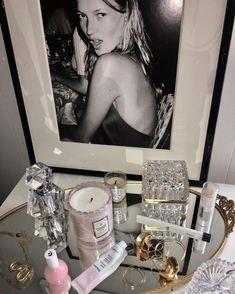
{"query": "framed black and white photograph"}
pixel 97 103
pixel 68 38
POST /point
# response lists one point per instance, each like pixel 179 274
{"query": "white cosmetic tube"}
pixel 199 235
pixel 101 269
pixel 205 212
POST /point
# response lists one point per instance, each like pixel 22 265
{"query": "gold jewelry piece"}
pixel 148 246
pixel 169 274
pixel 141 277
pixel 168 271
pixel 24 270
pixel 159 259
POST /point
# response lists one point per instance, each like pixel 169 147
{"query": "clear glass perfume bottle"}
pixel 46 205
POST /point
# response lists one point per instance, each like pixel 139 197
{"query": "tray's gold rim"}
pixel 11 211
pixel 171 286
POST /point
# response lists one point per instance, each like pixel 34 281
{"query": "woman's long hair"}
pixel 134 40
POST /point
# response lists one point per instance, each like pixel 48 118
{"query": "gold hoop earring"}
pixel 126 277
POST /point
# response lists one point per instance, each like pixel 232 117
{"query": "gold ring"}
pixel 177 242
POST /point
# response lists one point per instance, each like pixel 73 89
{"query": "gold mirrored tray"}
pixel 17 220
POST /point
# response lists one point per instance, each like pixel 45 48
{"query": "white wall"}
pixel 13 152
pixel 222 164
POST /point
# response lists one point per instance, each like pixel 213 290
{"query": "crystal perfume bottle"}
pixel 46 205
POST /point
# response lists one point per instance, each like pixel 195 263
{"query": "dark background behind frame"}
pixel 222 61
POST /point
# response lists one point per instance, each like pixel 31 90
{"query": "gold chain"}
pixel 24 270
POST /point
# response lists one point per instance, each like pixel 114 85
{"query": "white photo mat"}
pixel 199 46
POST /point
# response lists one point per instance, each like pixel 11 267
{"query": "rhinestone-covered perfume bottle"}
pixel 46 205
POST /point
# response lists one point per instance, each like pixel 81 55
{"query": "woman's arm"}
pixel 69 78
pixel 102 92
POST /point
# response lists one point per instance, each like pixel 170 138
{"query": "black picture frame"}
pixel 8 25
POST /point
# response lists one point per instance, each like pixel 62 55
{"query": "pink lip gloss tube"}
pixel 56 273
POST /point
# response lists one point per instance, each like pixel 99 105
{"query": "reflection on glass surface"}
pixel 128 232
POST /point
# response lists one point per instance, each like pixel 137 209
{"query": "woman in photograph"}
pixel 122 100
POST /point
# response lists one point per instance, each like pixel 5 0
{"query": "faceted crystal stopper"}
pixel 37 175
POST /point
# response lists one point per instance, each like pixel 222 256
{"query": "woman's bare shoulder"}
pixel 115 62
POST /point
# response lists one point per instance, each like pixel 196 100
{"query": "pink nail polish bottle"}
pixel 56 273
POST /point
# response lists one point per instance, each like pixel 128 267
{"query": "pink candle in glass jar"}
pixel 90 209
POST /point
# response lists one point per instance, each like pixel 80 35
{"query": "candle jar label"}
pixel 118 194
pixel 101 227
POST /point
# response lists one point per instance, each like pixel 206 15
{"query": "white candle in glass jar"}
pixel 116 181
pixel 89 199
pixel 90 209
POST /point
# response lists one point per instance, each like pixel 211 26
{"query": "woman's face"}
pixel 102 25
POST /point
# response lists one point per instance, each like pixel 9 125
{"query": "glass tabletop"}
pixel 131 269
